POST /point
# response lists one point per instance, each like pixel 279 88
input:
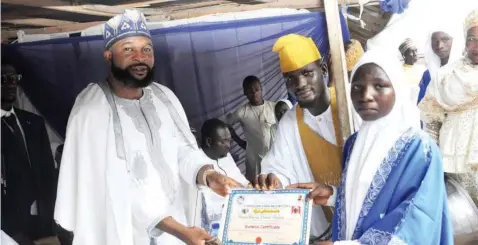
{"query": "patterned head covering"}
pixel 408 43
pixel 287 102
pixel 295 51
pixel 131 23
pixel 353 54
pixel 471 20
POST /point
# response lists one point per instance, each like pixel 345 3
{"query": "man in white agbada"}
pixel 127 145
pixel 215 144
pixel 308 144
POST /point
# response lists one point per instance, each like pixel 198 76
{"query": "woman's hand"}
pixel 320 193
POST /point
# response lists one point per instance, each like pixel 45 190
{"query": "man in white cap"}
pixel 127 146
pixel 413 71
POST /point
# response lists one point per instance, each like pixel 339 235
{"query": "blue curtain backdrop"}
pixel 204 64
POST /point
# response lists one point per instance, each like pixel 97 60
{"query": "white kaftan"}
pixel 256 122
pixel 105 200
pixel 287 158
pixel 212 202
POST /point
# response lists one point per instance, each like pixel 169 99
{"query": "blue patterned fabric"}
pixel 406 202
pixel 424 84
pixel 394 6
pixel 128 24
pixel 205 221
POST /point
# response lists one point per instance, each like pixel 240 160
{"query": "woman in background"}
pixel 444 45
pixel 282 106
pixel 450 112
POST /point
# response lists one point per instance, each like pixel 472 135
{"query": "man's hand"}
pixel 189 235
pixel 320 193
pixel 267 182
pixel 195 236
pixel 325 243
pixel 220 183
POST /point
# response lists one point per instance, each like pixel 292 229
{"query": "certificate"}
pixel 278 217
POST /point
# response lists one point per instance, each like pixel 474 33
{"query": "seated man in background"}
pixel 215 144
pixel 28 173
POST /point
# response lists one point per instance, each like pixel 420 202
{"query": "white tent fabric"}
pixel 418 20
pixel 6 240
pixel 97 30
pixel 262 13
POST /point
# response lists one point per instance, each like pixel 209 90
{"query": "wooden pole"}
pixel 339 67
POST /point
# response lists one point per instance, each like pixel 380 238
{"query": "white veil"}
pixel 453 28
pixel 376 138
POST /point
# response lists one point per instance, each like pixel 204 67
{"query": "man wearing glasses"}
pixel 28 178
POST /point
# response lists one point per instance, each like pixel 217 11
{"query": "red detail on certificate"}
pixel 295 210
pixel 258 239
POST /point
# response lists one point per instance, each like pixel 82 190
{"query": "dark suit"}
pixel 28 179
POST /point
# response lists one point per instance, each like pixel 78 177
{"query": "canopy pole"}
pixel 339 67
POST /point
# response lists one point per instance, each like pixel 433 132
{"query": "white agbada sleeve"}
pixel 191 159
pixel 80 202
pixel 233 171
pixel 6 240
pixel 283 153
pixel 190 156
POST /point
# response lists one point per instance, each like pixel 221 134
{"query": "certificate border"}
pixel 305 218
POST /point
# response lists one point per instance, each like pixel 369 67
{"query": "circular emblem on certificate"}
pixel 240 200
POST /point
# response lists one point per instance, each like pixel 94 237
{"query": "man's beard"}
pixel 128 79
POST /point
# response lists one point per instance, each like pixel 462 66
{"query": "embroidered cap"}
pixel 131 23
pixel 471 20
pixel 408 43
